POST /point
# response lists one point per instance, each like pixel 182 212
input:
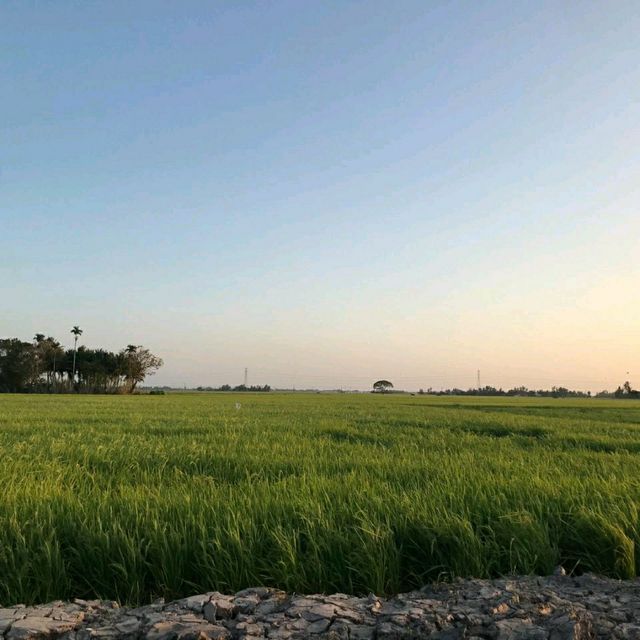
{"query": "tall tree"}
pixel 138 364
pixel 382 386
pixel 16 365
pixel 39 359
pixel 77 332
pixel 54 357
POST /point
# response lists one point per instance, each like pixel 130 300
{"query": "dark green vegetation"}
pixel 241 387
pixel 44 366
pixel 132 497
pixel 623 392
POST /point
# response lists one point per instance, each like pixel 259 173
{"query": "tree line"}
pixel 624 392
pixel 45 366
pixel 240 387
pixel 554 392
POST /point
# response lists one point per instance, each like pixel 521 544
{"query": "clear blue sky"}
pixel 327 192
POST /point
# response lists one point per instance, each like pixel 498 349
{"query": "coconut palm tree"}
pixel 77 332
pixel 55 351
pixel 38 361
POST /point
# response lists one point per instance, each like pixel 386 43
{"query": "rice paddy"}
pixel 132 498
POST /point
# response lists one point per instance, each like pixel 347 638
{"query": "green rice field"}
pixel 137 497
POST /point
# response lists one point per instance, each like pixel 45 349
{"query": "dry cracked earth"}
pixel 525 608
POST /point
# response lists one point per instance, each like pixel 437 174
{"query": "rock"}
pixel 351 615
pixel 195 603
pixel 258 592
pixel 519 630
pixel 250 629
pixel 319 626
pixel 361 632
pixel 11 612
pixel 246 604
pixel 225 606
pixel 186 631
pixel 500 609
pixel 128 625
pixel 268 607
pixel 5 623
pixel 319 612
pixel 39 627
pixel 628 631
pixel 209 611
pixel 103 633
pixel 526 608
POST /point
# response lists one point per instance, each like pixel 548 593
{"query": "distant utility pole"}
pixel 478 379
pixel 246 377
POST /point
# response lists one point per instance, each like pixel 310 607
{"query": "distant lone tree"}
pixel 382 386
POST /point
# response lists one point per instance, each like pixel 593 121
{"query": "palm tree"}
pixel 54 351
pixel 39 357
pixel 77 332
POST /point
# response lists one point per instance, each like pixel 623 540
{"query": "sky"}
pixel 325 192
